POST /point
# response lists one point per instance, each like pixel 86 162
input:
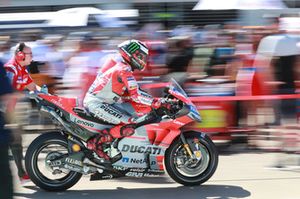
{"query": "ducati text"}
pixel 111 112
pixel 141 149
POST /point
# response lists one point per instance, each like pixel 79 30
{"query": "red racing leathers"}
pixel 105 96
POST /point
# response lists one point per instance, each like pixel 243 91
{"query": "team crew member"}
pixel 20 80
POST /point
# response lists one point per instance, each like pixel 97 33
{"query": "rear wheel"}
pixel 46 147
pixel 192 171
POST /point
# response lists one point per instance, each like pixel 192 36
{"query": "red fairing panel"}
pixel 64 103
pixel 165 132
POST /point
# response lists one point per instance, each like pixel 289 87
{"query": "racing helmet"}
pixel 135 53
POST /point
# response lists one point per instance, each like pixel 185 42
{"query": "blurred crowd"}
pixel 214 60
pixel 250 63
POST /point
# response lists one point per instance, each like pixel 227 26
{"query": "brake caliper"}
pixel 197 152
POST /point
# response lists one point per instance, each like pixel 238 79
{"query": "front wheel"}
pixel 192 171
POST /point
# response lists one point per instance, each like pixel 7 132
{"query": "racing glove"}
pixel 160 103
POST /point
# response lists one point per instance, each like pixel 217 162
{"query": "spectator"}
pixel 83 66
pixel 180 56
pixel 6 186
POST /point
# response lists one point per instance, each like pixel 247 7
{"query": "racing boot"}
pixel 106 137
pixel 96 143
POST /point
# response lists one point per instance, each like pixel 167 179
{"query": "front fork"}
pixel 196 154
pixel 186 146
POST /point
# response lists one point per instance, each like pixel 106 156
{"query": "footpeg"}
pixel 116 158
pixel 104 176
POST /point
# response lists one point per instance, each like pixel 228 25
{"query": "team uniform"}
pixel 18 75
pixel 19 79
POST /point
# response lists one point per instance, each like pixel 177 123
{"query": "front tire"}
pixel 35 159
pixel 191 173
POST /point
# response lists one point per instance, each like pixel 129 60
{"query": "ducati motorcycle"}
pixel 55 161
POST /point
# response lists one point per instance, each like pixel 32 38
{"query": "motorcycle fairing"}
pixel 66 104
pixel 91 126
pixel 138 152
pixel 147 146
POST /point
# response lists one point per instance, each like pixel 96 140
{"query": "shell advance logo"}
pixel 133 47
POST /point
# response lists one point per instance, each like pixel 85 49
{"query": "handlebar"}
pixel 176 105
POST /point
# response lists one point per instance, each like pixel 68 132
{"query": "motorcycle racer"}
pixel 104 98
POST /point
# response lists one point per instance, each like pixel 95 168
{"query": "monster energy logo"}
pixel 133 47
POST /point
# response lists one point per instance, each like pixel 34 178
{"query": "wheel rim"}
pixel 42 171
pixel 192 168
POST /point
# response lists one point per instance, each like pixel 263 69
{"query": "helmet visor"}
pixel 141 57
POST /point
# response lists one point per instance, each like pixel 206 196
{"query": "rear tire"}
pixel 32 163
pixel 191 174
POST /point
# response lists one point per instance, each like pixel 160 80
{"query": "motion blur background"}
pixel 212 48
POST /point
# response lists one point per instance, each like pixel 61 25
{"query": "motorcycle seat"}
pixel 85 114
